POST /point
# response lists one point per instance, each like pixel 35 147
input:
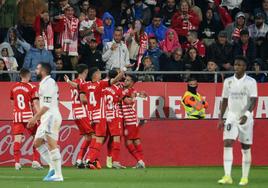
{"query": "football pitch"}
pixel 179 177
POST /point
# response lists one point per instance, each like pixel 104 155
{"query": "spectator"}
pixel 193 41
pixel 263 10
pixel 184 20
pixel 141 12
pixel 170 43
pixel 147 67
pixel 231 4
pixel 91 27
pixel 156 28
pixel 59 54
pixel 8 56
pixel 196 9
pixel 260 28
pixel 245 47
pixel 154 53
pixel 115 53
pixel 18 45
pixel 137 43
pixel 220 14
pixel 91 56
pixel 108 31
pixel 257 67
pixel 59 67
pixel 82 14
pixel 28 10
pixel 193 62
pixel 56 10
pixel 68 29
pixel 8 15
pixel 126 16
pixel 173 63
pixel 233 29
pixel 209 28
pixel 222 52
pixel 43 27
pixel 167 11
pixel 3 76
pixel 38 55
pixel 263 52
pixel 212 67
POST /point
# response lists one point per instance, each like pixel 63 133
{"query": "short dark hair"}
pixel 91 71
pixel 157 15
pixel 47 67
pixel 81 68
pixel 112 73
pixel 133 77
pixel 24 72
pixel 92 8
pixel 153 38
pixel 191 78
pixel 244 32
pixel 241 58
pixel 57 46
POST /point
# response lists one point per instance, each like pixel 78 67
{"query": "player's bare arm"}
pixel 117 78
pixel 224 105
pixel 83 98
pixel 243 119
pixel 37 116
pixel 36 105
pixel 71 83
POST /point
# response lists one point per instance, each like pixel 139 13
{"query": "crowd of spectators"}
pixel 139 35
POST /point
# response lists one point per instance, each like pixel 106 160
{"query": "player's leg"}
pixel 109 159
pixel 246 139
pixel 16 150
pixel 83 149
pixel 137 143
pixel 230 134
pixel 116 146
pixel 36 156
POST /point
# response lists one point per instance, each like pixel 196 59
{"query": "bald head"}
pixel 39 42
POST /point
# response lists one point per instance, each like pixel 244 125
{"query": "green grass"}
pixel 196 177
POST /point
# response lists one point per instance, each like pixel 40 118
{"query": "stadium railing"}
pixel 14 74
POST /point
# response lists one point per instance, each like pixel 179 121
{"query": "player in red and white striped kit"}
pixel 80 114
pixel 92 95
pixel 25 99
pixel 131 123
pixel 114 118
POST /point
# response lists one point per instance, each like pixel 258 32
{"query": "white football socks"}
pixel 227 160
pixel 56 160
pixel 44 153
pixel 246 161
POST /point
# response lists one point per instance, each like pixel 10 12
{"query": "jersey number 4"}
pixel 92 99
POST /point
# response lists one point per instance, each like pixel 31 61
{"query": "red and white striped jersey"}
pixel 95 97
pixel 113 95
pixel 79 110
pixel 129 110
pixel 23 95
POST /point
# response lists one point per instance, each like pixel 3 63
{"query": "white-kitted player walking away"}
pixel 50 118
pixel 239 96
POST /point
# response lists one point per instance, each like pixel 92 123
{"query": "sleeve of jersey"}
pixel 35 93
pixel 253 89
pixel 225 91
pixel 48 94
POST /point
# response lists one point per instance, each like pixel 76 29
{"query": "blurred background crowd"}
pixel 140 35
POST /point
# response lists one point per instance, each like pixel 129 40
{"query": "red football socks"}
pixel 83 149
pixel 139 152
pixel 116 151
pixel 17 153
pixel 94 151
pixel 133 151
pixel 36 155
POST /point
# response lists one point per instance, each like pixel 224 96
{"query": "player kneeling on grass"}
pixel 50 122
pixel 114 117
pixel 80 113
pixel 131 124
pixel 239 95
pixel 24 97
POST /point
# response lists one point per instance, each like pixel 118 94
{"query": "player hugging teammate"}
pixel 104 99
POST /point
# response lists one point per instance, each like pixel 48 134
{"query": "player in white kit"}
pixel 50 120
pixel 239 96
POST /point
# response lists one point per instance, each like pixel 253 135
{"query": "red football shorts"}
pixel 132 132
pixel 115 126
pixel 19 128
pixel 100 127
pixel 84 126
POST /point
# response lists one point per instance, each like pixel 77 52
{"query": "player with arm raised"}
pixel 25 102
pixel 239 96
pixel 131 124
pixel 91 93
pixel 47 133
pixel 80 113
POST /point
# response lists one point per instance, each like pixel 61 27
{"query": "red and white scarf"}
pixel 48 37
pixel 143 48
pixel 69 37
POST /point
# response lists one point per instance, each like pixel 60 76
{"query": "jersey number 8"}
pixel 21 102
